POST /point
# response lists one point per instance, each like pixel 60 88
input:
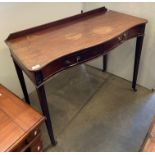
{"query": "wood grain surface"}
pixel 17 119
pixel 38 49
pixel 149 142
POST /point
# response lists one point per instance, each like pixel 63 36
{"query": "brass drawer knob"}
pixel 125 35
pixel 35 132
pixel 38 148
pixel 120 39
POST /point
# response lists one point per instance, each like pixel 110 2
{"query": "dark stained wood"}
pixel 105 57
pixel 22 82
pixel 139 44
pixel 44 107
pixel 17 120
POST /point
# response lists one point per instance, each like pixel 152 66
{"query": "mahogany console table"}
pixel 45 50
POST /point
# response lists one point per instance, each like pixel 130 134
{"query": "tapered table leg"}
pixel 105 57
pixel 44 107
pixel 139 44
pixel 22 82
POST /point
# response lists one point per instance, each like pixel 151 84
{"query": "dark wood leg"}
pixel 22 82
pixel 138 50
pixel 44 107
pixel 105 63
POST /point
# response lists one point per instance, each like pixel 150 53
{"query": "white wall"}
pixel 121 59
pixel 18 16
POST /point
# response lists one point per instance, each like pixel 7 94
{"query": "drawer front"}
pixel 31 142
pixel 69 61
pixel 36 146
pixel 33 134
pixel 80 57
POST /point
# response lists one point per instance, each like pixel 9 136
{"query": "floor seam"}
pixel 82 107
pixel 86 103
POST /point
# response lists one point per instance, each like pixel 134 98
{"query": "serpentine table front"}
pixel 45 50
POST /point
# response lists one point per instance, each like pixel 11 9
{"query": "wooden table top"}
pixel 36 50
pixel 17 119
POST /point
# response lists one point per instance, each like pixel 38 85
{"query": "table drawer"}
pixel 80 57
pixel 33 134
pixel 36 146
pixel 33 146
pixel 69 61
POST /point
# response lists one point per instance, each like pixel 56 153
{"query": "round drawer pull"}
pixel 38 148
pixel 120 39
pixel 35 132
pixel 125 35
